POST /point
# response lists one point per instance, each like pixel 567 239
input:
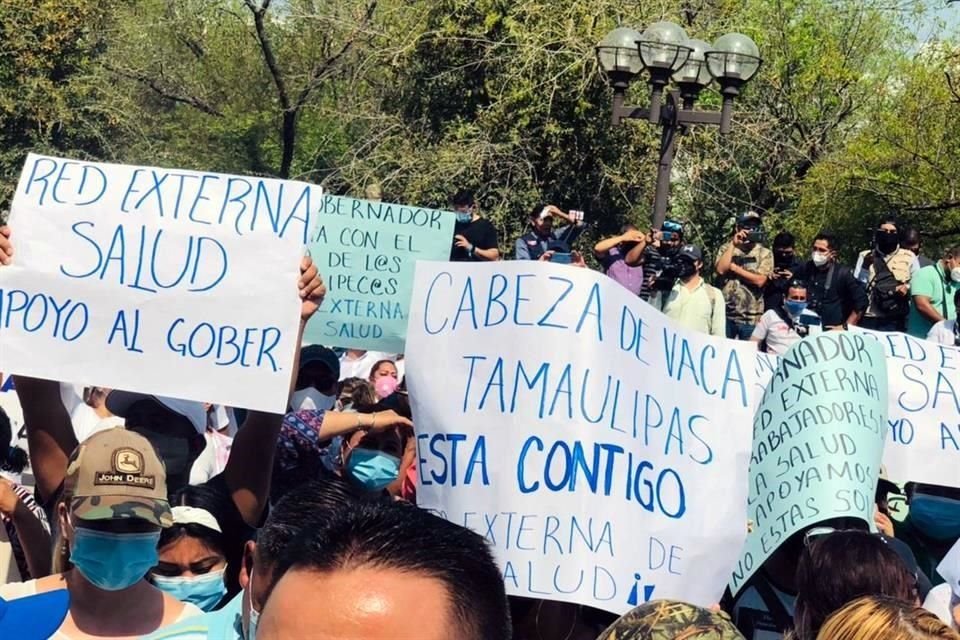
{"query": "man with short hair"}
pixel 537 241
pixel 385 570
pixel 658 248
pixel 933 292
pixel 832 291
pixel 475 238
pixel 744 266
pixel 911 241
pixel 692 302
pixel 885 272
pixel 785 265
pixel 781 328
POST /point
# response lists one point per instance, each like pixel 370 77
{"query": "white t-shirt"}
pixel 360 367
pixel 943 333
pixel 778 334
pixel 85 420
pixel 941 601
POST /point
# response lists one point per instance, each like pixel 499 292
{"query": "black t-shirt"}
pixel 480 233
pixel 835 302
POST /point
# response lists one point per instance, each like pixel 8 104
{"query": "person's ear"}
pixel 246 565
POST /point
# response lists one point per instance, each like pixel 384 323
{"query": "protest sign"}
pixel 923 444
pixel 923 406
pixel 175 283
pixel 601 449
pixel 818 437
pixel 367 251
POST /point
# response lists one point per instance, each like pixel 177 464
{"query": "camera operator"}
pixel 656 256
pixel 612 255
pixel 744 267
pixel 692 302
pixel 782 327
pixel 885 272
pixel 535 242
pixel 785 267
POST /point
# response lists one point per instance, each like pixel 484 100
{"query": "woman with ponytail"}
pixel 25 534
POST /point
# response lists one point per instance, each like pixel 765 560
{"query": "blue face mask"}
pixel 113 561
pixel 794 307
pixel 936 516
pixel 205 591
pixel 371 469
pixel 463 217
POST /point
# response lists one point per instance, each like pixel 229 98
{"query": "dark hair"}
pixel 889 219
pixel 797 284
pixel 12 459
pixel 910 237
pixel 464 198
pixel 829 237
pixel 536 211
pixel 952 252
pixel 297 508
pixel 393 535
pixel 234 532
pixel 841 567
pixel 629 226
pixel 379 363
pixel 783 240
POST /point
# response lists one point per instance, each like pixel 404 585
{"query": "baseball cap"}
pixel 323 355
pixel 748 219
pixel 672 226
pixel 120 402
pixel 34 617
pixel 668 620
pixel 117 474
pixel 691 251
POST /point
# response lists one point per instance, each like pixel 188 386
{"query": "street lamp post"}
pixel 666 53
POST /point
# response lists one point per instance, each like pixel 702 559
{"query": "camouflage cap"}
pixel 117 474
pixel 668 620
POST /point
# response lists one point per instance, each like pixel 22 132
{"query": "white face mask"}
pixel 310 399
pixel 820 259
pixel 955 274
pixel 254 620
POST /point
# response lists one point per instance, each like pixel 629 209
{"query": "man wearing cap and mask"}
pixel 316 385
pixel 692 302
pixel 885 273
pixel 744 266
pixel 536 242
pixel 657 247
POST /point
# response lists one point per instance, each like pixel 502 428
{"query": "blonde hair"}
pixel 883 618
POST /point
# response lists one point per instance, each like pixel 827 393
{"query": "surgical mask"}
pixel 386 386
pixel 254 618
pixel 936 516
pixel 955 274
pixel 205 591
pixel 310 399
pixel 820 259
pixel 372 469
pixel 463 217
pixel 113 561
pixel 795 307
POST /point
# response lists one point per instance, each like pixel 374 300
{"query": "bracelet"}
pixel 470 250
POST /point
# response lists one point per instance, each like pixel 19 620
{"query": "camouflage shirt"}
pixel 745 301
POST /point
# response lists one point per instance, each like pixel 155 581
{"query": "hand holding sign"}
pixel 6 248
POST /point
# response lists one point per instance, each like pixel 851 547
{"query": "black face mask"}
pixel 887 241
pixel 687 270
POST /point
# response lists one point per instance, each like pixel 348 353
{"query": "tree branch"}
pixel 154 85
pixel 267 49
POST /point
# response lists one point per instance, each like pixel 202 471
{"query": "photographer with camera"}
pixel 885 272
pixel 785 267
pixel 692 302
pixel 612 255
pixel 744 266
pixel 535 242
pixel 657 257
pixel 782 327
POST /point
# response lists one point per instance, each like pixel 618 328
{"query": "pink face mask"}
pixel 386 386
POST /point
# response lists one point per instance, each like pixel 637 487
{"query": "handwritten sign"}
pixel 818 438
pixel 923 444
pixel 175 283
pixel 585 435
pixel 367 251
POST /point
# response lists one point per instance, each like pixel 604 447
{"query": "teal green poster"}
pixel 366 252
pixel 818 438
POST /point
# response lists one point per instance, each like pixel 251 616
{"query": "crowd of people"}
pixel 769 295
pixel 152 517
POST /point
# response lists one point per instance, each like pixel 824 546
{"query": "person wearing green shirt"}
pixel 932 290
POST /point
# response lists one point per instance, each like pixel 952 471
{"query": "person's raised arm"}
pixel 634 257
pixel 488 254
pixel 50 435
pixel 725 259
pixel 33 535
pixel 250 465
pixel 602 248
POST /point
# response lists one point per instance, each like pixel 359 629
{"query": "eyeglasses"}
pixel 819 532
